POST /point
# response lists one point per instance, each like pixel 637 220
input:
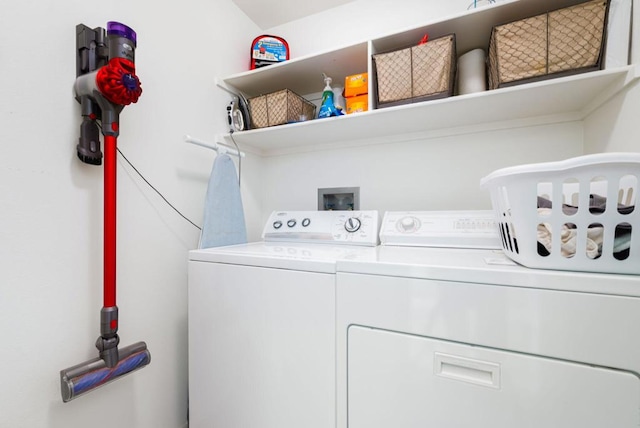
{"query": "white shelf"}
pixel 562 99
pixel 548 101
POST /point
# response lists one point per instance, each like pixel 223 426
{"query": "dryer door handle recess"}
pixel 464 369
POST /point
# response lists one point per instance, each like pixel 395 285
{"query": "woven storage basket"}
pixel 278 108
pixel 578 214
pixel 417 73
pixel 563 42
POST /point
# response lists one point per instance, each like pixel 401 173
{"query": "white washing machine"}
pixel 449 337
pixel 262 322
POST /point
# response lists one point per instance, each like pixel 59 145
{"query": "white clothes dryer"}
pixel 452 338
pixel 262 322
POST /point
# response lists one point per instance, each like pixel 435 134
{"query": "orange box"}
pixel 356 84
pixel 357 103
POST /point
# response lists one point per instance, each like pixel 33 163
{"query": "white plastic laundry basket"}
pixel 578 214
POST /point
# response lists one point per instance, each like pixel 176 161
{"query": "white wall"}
pixel 436 174
pixel 614 126
pixel 362 20
pixel 51 204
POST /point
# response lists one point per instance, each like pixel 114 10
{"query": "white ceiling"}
pixel 271 13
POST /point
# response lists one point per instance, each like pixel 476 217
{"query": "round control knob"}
pixel 291 223
pixel 277 224
pixel 408 224
pixel 306 222
pixel 352 224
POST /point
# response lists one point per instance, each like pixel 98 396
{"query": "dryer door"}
pixel 400 380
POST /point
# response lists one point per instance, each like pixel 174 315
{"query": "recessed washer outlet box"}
pixel 339 199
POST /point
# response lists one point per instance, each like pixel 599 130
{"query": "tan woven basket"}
pixel 417 73
pixel 563 42
pixel 278 108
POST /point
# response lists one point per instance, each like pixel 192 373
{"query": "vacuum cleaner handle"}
pixel 91 54
pixel 106 81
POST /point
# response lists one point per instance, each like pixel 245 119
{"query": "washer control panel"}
pixel 456 229
pixel 335 227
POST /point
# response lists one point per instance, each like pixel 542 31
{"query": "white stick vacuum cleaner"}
pixel 105 83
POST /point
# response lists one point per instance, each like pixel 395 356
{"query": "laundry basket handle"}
pixel 620 158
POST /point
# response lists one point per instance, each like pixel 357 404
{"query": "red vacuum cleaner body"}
pixel 105 83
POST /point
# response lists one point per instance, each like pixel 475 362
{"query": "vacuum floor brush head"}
pixel 91 374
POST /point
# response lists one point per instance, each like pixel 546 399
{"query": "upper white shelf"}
pixel 303 75
pixel 547 101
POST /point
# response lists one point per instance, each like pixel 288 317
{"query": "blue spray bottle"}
pixel 328 107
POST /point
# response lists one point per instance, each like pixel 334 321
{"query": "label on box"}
pixel 270 49
pixel 356 84
pixel 357 104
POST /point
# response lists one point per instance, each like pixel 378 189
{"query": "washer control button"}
pixel 408 224
pixel 277 224
pixel 306 222
pixel 291 222
pixel 352 224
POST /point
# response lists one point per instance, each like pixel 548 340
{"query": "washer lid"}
pixel 293 256
pixel 483 267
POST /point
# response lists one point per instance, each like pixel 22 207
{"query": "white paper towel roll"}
pixel 471 72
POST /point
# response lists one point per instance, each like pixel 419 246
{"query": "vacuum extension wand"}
pixel 105 83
